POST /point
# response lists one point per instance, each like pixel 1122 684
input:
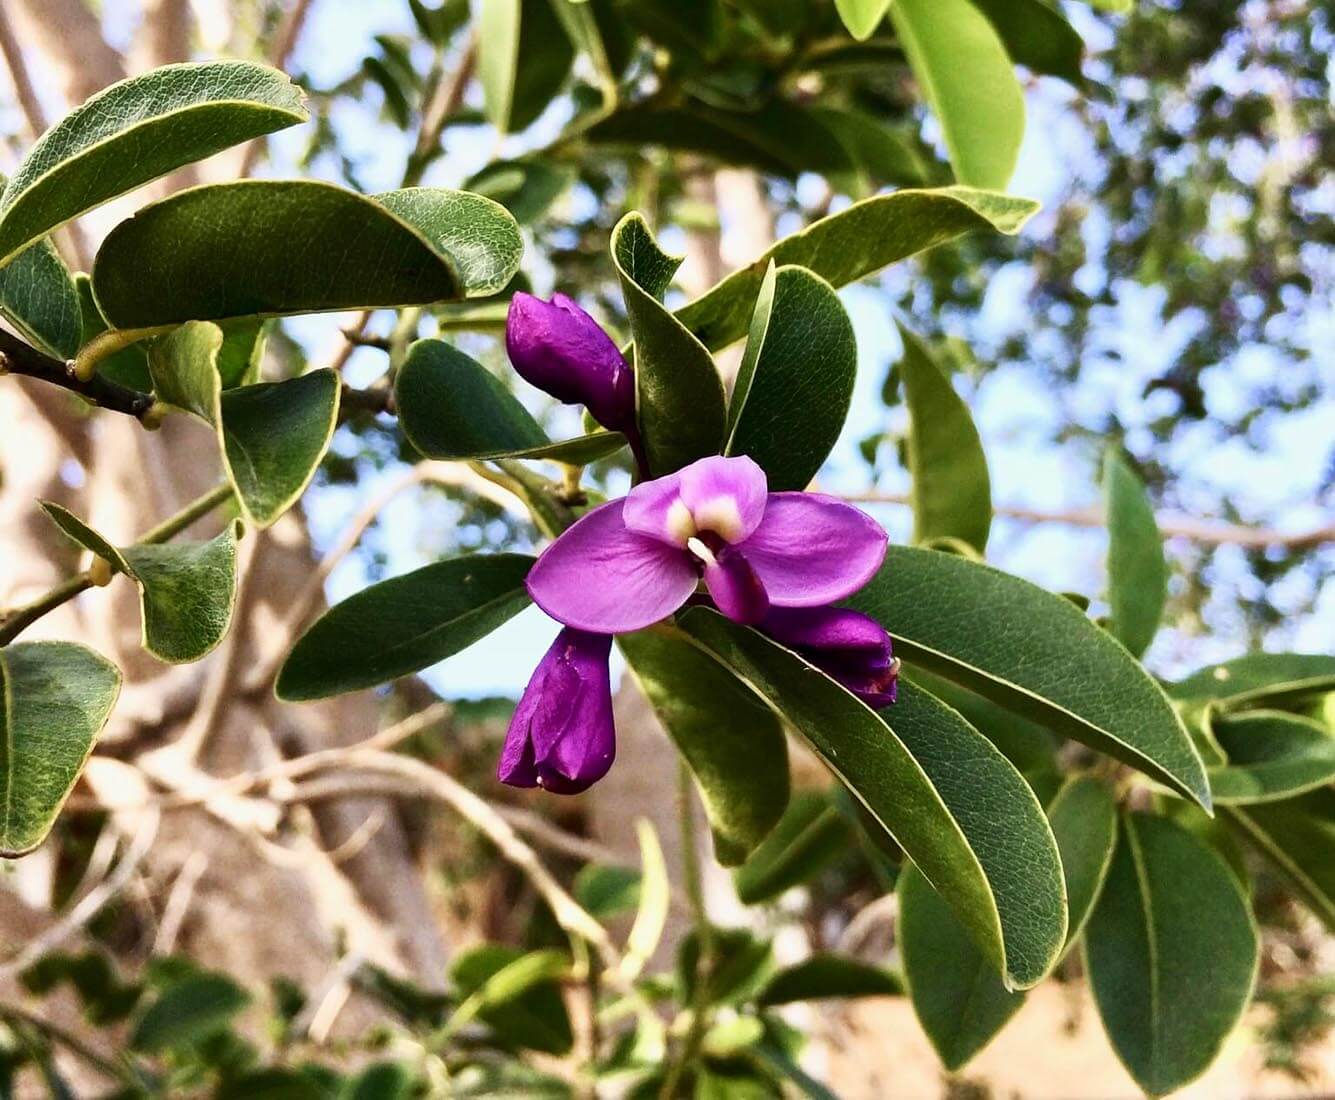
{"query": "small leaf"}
pixel 788 410
pixel 824 976
pixel 187 590
pixel 55 697
pixel 680 394
pixel 735 747
pixel 858 240
pixel 1271 756
pixel 1038 656
pixel 1297 835
pixel 1171 951
pixel 1258 680
pixel 607 891
pixel 498 27
pixel 548 55
pixel 741 965
pixel 39 298
pixel 957 994
pixel 655 896
pixel 970 83
pixel 381 1081
pixel 193 1009
pixel 1083 816
pixel 451 406
pixel 517 995
pixel 265 248
pixel 526 188
pixel 404 625
pixel 1037 36
pixel 952 495
pixel 135 131
pixel 861 17
pixel 810 836
pixel 1137 571
pixel 272 434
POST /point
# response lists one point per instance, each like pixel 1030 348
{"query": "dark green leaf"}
pixel 1171 951
pixel 1297 836
pixel 879 153
pixel 193 1009
pixel 1137 571
pixel 680 394
pixel 857 241
pixel 1084 821
pixel 263 248
pixel 735 747
pixel 810 836
pixel 187 590
pixel 934 783
pixel 451 406
pixel 957 994
pixel 135 131
pixel 526 188
pixel 1258 679
pixel 952 494
pixel 518 995
pixel 39 298
pixel 970 83
pixel 791 403
pixel 55 698
pixel 1038 655
pixel 1037 36
pixel 404 624
pixel 824 976
pixel 607 891
pixel 1271 756
pixel 382 1081
pixel 740 966
pixel 861 17
pixel 547 56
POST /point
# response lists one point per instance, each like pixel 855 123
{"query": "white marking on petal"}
pixel 721 515
pixel 701 551
pixel 680 523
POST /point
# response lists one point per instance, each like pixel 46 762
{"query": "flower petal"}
pixel 847 645
pixel 655 508
pixel 811 549
pixel 601 577
pixel 736 588
pixel 725 495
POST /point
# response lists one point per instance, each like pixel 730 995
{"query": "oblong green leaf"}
pixel 794 391
pixel 1137 570
pixel 1298 836
pixel 1258 679
pixel 38 296
pixel 861 17
pixel 856 241
pixel 810 835
pixel 824 976
pixel 451 406
pixel 934 783
pixel 952 493
pixel 970 83
pixel 135 131
pixel 526 188
pixel 734 745
pixel 1171 951
pixel 498 23
pixel 266 248
pixel 187 590
pixel 956 992
pixel 404 624
pixel 1034 653
pixel 1083 816
pixel 55 697
pixel 517 995
pixel 189 1011
pixel 680 394
pixel 1037 36
pixel 1271 756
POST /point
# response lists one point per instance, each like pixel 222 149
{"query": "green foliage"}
pixel 824 977
pixel 188 1012
pixel 811 834
pixel 39 298
pixel 1083 817
pixel 1271 756
pixel 1137 571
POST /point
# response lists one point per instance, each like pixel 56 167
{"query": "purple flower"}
pixel 561 737
pixel 629 563
pixel 846 645
pixel 563 351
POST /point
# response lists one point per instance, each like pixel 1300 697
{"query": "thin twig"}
pixel 178 902
pixel 18 357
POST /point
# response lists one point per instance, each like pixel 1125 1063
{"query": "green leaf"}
pixel 39 298
pixel 1083 817
pixel 861 17
pixel 857 241
pixel 451 406
pixel 187 590
pixel 934 783
pixel 1034 653
pixel 129 365
pixel 952 494
pixel 526 188
pixel 741 966
pixel 734 746
pixel 272 435
pixel 607 890
pixel 1298 836
pixel 680 394
pixel 547 53
pixel 824 976
pixel 498 28
pixel 1171 951
pixel 810 835
pixel 56 697
pixel 265 248
pixel 790 404
pixel 1137 571
pixel 970 84
pixel 404 625
pixel 381 1081
pixel 1258 679
pixel 1271 756
pixel 655 897
pixel 956 992
pixel 518 995
pixel 880 153
pixel 193 1009
pixel 1037 36
pixel 135 131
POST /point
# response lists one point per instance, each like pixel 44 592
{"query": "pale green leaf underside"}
pixel 861 17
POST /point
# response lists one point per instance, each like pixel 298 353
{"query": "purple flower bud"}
pixel 561 737
pixel 563 351
pixel 847 646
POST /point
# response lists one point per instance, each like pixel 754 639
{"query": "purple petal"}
pixel 811 549
pixel 847 645
pixel 736 588
pixel 725 495
pixel 655 508
pixel 601 577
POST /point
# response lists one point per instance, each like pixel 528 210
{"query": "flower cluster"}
pixel 775 561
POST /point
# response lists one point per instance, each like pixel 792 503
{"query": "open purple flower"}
pixel 564 352
pixel 561 737
pixel 632 562
pixel 847 645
